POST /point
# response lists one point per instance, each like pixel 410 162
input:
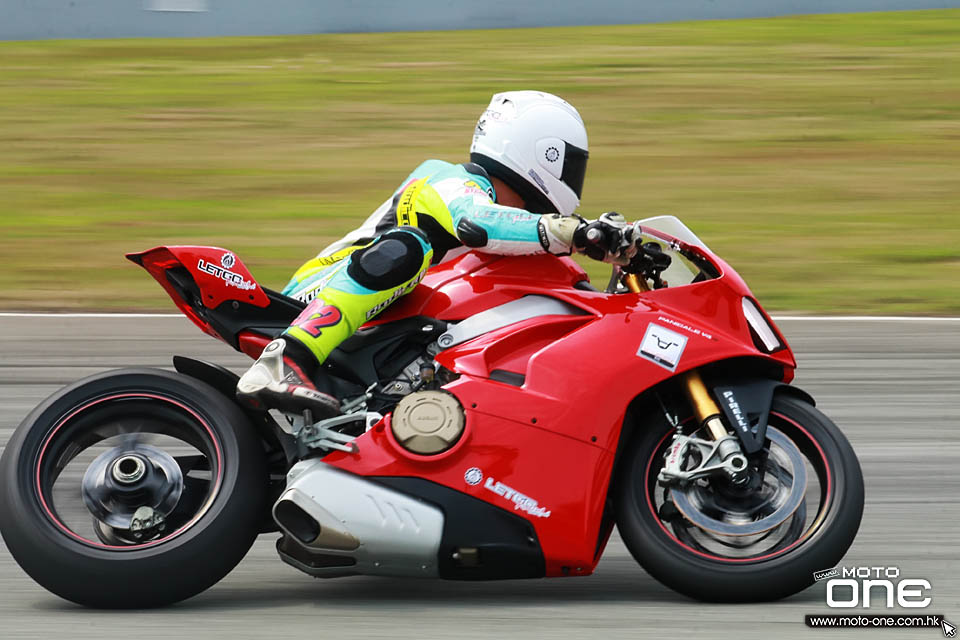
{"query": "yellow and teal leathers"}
pixel 439 208
pixel 346 299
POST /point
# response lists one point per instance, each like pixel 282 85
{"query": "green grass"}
pixel 819 155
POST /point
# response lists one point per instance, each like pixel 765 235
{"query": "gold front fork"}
pixel 635 283
pixel 708 417
pixel 706 410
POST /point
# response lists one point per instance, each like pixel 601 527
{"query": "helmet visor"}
pixel 574 167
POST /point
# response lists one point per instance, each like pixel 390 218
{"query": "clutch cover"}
pixel 428 422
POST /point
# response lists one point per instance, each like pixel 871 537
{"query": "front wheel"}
pixel 132 488
pixel 708 540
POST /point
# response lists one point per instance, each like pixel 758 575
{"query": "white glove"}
pixel 609 239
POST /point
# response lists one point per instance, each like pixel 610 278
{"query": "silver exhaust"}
pixel 337 523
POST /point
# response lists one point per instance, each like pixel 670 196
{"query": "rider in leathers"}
pixel 516 196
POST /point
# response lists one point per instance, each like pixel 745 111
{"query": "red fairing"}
pixel 219 274
pixel 553 439
pixel 449 290
pixel 567 479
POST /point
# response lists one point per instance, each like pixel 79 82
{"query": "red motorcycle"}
pixel 497 422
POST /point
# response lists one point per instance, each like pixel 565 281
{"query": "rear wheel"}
pixel 709 540
pixel 133 488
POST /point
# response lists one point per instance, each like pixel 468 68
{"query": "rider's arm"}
pixel 480 223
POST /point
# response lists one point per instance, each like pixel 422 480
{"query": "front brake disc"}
pixel 694 500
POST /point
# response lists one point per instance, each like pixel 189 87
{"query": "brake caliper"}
pixel 716 456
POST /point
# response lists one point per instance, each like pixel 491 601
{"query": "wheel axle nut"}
pixel 128 469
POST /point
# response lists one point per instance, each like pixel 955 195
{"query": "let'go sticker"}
pixel 663 346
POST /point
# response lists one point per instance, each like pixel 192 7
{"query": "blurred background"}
pixel 820 155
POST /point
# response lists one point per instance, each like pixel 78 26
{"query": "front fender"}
pixel 746 401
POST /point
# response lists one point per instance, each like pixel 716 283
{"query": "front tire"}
pixel 110 571
pixel 698 571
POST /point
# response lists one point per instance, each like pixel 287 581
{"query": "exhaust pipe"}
pixel 333 517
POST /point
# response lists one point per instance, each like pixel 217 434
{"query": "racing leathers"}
pixel 440 211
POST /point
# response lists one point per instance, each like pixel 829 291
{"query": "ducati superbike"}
pixel 497 422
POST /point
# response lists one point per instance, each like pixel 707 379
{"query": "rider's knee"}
pixel 394 258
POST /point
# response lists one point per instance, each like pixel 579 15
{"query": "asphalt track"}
pixel 892 385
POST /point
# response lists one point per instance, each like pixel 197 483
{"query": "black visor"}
pixel 574 167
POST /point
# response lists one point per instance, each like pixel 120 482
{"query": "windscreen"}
pixel 672 226
pixel 682 270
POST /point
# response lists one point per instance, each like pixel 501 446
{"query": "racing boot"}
pixel 279 380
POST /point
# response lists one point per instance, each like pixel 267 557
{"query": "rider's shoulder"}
pixel 452 179
pixel 441 169
pixel 467 172
pixel 426 169
pixel 430 168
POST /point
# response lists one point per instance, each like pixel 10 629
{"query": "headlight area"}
pixel 764 337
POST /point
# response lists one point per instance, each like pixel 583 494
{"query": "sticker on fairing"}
pixel 662 346
pixel 229 277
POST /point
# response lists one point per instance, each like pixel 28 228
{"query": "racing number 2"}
pixel 315 322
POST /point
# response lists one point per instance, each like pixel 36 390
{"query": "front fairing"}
pixel 716 306
pixel 693 265
pixel 567 363
pixel 709 314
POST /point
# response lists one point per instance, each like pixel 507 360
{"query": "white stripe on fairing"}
pixel 775 318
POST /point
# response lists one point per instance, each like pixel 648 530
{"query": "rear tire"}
pixel 149 575
pixel 714 579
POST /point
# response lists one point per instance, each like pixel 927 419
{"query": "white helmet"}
pixel 537 144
